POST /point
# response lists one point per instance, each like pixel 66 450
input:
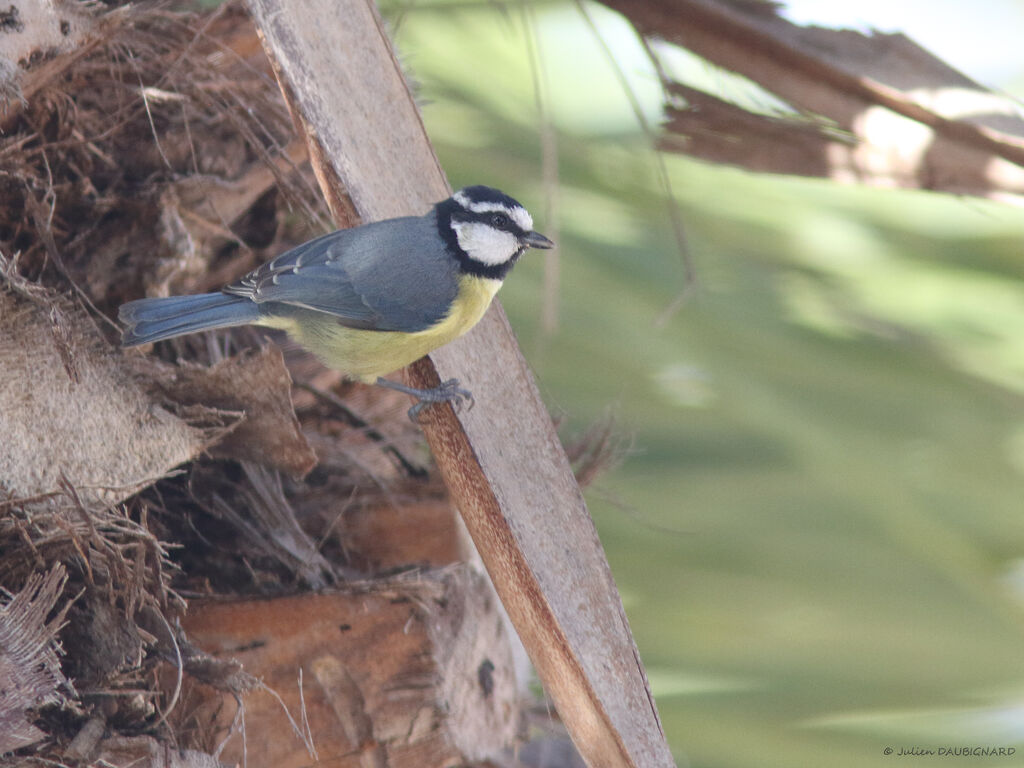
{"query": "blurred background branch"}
pixel 874 108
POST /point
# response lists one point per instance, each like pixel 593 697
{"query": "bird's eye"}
pixel 500 221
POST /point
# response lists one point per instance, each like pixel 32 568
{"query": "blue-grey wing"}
pixel 394 275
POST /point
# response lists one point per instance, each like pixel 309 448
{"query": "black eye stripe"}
pixel 495 219
pixel 489 218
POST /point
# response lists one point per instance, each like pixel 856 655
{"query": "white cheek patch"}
pixel 518 214
pixel 485 244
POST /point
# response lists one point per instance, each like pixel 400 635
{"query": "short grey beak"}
pixel 537 240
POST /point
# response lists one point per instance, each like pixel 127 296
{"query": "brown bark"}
pixel 412 672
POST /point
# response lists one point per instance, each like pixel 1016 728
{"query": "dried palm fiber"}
pixel 71 411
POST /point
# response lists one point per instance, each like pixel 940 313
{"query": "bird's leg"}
pixel 447 392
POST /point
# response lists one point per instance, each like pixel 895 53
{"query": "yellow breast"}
pixel 365 355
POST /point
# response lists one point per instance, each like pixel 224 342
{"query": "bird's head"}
pixel 487 230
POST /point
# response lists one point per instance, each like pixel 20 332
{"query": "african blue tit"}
pixel 372 299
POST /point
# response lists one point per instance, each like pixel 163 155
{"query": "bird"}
pixel 370 299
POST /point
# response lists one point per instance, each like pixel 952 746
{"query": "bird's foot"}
pixel 447 392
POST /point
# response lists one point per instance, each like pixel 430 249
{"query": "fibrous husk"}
pixel 32 31
pixel 152 157
pixel 30 675
pixel 257 384
pixel 70 409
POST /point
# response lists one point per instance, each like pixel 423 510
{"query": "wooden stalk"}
pixel 502 460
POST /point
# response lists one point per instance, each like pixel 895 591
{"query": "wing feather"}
pixel 394 275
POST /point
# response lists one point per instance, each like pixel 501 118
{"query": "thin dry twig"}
pixel 179 673
pixel 690 280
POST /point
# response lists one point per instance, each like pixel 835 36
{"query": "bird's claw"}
pixel 447 392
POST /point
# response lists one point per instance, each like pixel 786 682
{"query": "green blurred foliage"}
pixel 817 532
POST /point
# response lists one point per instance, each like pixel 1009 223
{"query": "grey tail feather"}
pixel 155 319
